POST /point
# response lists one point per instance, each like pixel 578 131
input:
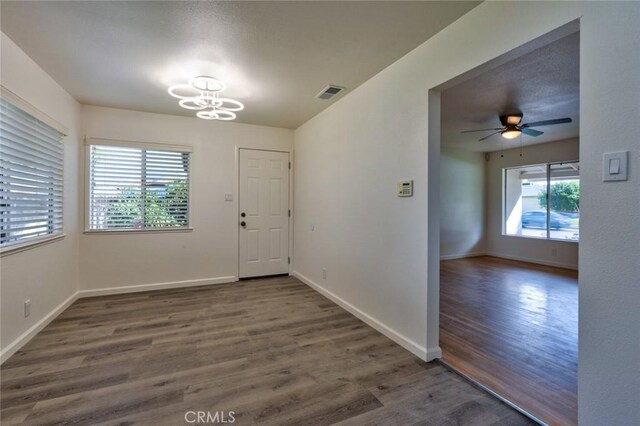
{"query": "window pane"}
pixel 135 188
pixel 31 183
pixel 564 201
pixel 525 188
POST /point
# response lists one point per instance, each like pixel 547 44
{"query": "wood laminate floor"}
pixel 513 327
pixel 273 351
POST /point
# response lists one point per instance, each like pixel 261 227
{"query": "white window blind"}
pixel 137 188
pixel 31 177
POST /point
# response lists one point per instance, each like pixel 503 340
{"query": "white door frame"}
pixel 237 203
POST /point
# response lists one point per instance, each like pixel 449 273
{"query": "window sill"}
pixel 138 231
pixel 18 248
pixel 528 237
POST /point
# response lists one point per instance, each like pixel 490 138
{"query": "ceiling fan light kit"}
pixel 511 127
pixel 202 94
pixel 511 132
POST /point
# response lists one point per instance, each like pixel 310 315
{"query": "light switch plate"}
pixel 615 166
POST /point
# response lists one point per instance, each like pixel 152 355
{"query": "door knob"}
pixel 243 224
pixel 243 214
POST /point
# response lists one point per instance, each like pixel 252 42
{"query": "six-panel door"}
pixel 264 213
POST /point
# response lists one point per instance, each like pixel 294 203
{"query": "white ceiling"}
pixel 274 56
pixel 542 84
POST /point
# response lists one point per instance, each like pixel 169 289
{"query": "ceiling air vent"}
pixel 329 92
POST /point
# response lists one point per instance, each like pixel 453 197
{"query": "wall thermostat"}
pixel 405 188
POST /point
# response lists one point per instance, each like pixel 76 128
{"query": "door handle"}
pixel 243 214
pixel 243 224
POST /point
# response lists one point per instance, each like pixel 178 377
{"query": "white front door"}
pixel 264 213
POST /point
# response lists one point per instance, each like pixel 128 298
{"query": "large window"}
pixel 31 178
pixel 137 187
pixel 543 201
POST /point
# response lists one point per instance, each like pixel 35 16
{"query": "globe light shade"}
pixel 511 133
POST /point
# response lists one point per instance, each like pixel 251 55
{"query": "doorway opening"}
pixel 508 221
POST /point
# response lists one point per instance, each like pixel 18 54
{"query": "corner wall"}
pixel 375 245
pixel 121 262
pixel 47 274
pixel 555 253
pixel 462 203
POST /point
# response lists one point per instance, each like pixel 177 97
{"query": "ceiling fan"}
pixel 512 128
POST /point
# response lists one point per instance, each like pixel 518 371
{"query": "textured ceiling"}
pixel 274 56
pixel 542 84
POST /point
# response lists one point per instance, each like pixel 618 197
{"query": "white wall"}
pixel 375 245
pixel 209 253
pixel 527 249
pixel 462 203
pixel 48 274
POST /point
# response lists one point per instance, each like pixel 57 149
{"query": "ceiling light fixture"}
pixel 511 132
pixel 202 94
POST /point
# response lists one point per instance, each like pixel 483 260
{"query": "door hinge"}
pixel 289 260
pixel 289 212
pixel 289 165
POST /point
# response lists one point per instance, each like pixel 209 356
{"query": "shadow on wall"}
pixel 462 202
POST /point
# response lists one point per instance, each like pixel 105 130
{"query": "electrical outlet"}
pixel 324 273
pixel 554 252
pixel 27 308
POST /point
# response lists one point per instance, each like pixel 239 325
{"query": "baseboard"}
pixel 14 346
pixel 156 286
pixel 534 260
pixel 434 353
pixel 408 344
pixel 24 338
pixel 462 255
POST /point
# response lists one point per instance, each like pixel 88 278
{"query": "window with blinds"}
pixel 137 188
pixel 31 178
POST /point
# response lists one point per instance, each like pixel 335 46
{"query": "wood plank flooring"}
pixel 273 351
pixel 513 327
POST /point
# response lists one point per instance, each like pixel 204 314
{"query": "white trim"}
pixel 137 230
pixel 86 192
pixel 533 260
pixel 32 110
pixel 137 144
pixel 28 245
pixel 433 353
pixel 156 286
pixel 511 257
pixel 24 338
pixel 531 237
pixel 405 342
pixel 462 255
pixel 58 234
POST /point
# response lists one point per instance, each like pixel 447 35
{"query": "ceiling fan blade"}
pixel 531 132
pixel 480 130
pixel 488 136
pixel 547 122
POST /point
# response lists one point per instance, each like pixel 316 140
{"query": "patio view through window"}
pixel 543 201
